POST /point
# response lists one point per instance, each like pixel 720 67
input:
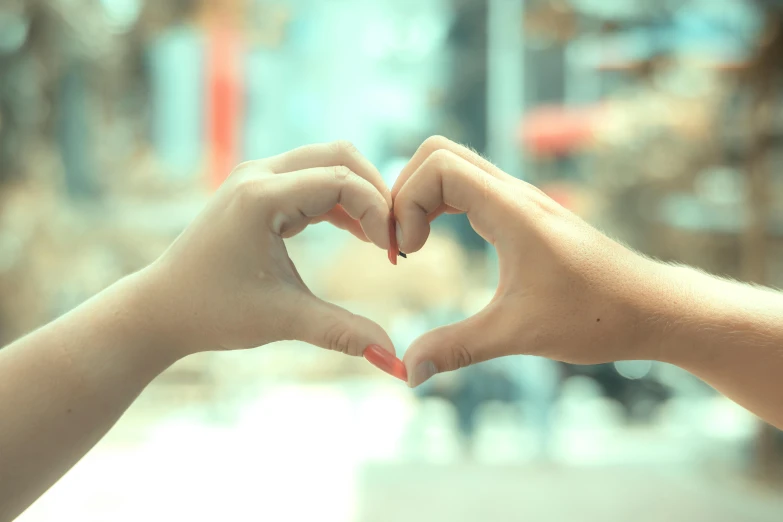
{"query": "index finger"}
pixel 435 143
pixel 335 154
pixel 446 180
pixel 300 197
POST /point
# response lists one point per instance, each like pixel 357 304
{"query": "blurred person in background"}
pixel 566 292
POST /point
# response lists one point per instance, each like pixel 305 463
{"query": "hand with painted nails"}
pixel 226 283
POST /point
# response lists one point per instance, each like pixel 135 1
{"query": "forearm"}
pixel 64 386
pixel 727 333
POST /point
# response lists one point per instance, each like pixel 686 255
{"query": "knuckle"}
pixel 246 168
pixel 534 202
pixel 249 193
pixel 339 338
pixel 459 356
pixel 248 189
pixel 436 142
pixel 344 147
pixel 241 168
pixel 341 173
pixel 441 159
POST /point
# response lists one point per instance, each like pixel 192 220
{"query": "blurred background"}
pixel 660 122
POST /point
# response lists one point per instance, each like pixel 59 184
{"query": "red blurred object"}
pixel 557 131
pixel 386 361
pixel 225 91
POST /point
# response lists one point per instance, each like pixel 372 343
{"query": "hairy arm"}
pixel 727 333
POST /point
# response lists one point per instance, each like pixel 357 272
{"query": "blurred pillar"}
pixel 582 82
pixel 465 103
pixel 505 89
pixel 73 131
pixel 176 85
pixel 505 77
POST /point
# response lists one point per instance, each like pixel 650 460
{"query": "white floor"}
pixel 293 452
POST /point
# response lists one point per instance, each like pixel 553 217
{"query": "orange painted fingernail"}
pixel 386 361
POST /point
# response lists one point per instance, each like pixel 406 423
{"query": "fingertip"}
pixel 411 227
pixel 421 373
pixel 376 229
pixel 386 361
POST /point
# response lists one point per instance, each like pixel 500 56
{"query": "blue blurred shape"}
pixel 74 132
pixel 176 60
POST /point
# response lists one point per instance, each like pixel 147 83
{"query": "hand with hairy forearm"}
pixel 226 283
pixel 729 334
pixel 570 293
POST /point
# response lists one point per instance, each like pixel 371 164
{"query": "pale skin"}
pixel 566 292
pixel 226 283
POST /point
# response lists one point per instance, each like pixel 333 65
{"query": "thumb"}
pixel 329 326
pixel 476 339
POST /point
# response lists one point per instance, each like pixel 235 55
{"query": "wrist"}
pixel 692 313
pixel 669 306
pixel 672 309
pixel 148 316
pixel 640 300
